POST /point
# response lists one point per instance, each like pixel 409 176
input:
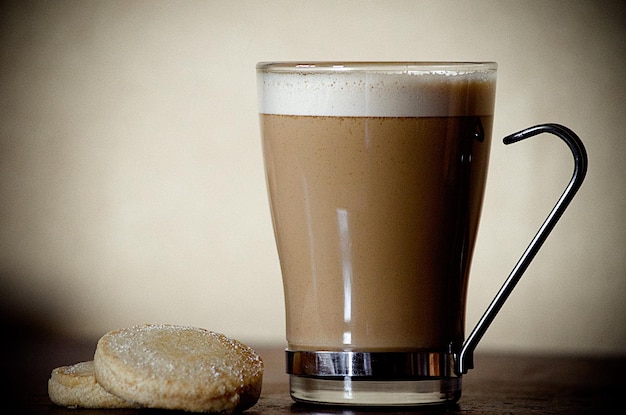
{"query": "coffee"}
pixel 376 187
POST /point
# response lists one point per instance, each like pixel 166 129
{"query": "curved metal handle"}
pixel 465 359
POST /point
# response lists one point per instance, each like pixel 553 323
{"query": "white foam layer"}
pixel 361 94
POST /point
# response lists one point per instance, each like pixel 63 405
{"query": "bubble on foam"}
pixel 407 94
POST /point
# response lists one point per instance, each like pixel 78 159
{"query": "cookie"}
pixel 177 367
pixel 76 386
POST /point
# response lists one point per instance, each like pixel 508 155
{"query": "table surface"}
pixel 500 383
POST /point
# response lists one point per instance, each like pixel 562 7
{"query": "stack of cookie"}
pixel 162 366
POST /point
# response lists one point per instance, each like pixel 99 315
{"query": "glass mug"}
pixel 375 175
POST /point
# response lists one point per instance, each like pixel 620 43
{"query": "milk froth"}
pixel 355 93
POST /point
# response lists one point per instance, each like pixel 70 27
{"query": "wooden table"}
pixel 500 384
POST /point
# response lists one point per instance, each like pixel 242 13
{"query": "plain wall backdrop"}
pixel 131 178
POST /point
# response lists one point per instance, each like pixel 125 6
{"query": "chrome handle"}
pixel 465 358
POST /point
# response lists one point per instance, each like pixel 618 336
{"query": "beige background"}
pixel 131 178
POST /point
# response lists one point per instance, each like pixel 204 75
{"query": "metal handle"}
pixel 465 359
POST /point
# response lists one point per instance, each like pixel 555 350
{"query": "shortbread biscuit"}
pixel 176 367
pixel 76 386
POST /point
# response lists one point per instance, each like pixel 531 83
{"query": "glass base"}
pixel 349 391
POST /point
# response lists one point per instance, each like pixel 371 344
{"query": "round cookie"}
pixel 76 386
pixel 177 367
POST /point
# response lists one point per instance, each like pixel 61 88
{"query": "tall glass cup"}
pixel 376 174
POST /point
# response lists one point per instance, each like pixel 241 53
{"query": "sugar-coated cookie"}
pixel 76 386
pixel 177 367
